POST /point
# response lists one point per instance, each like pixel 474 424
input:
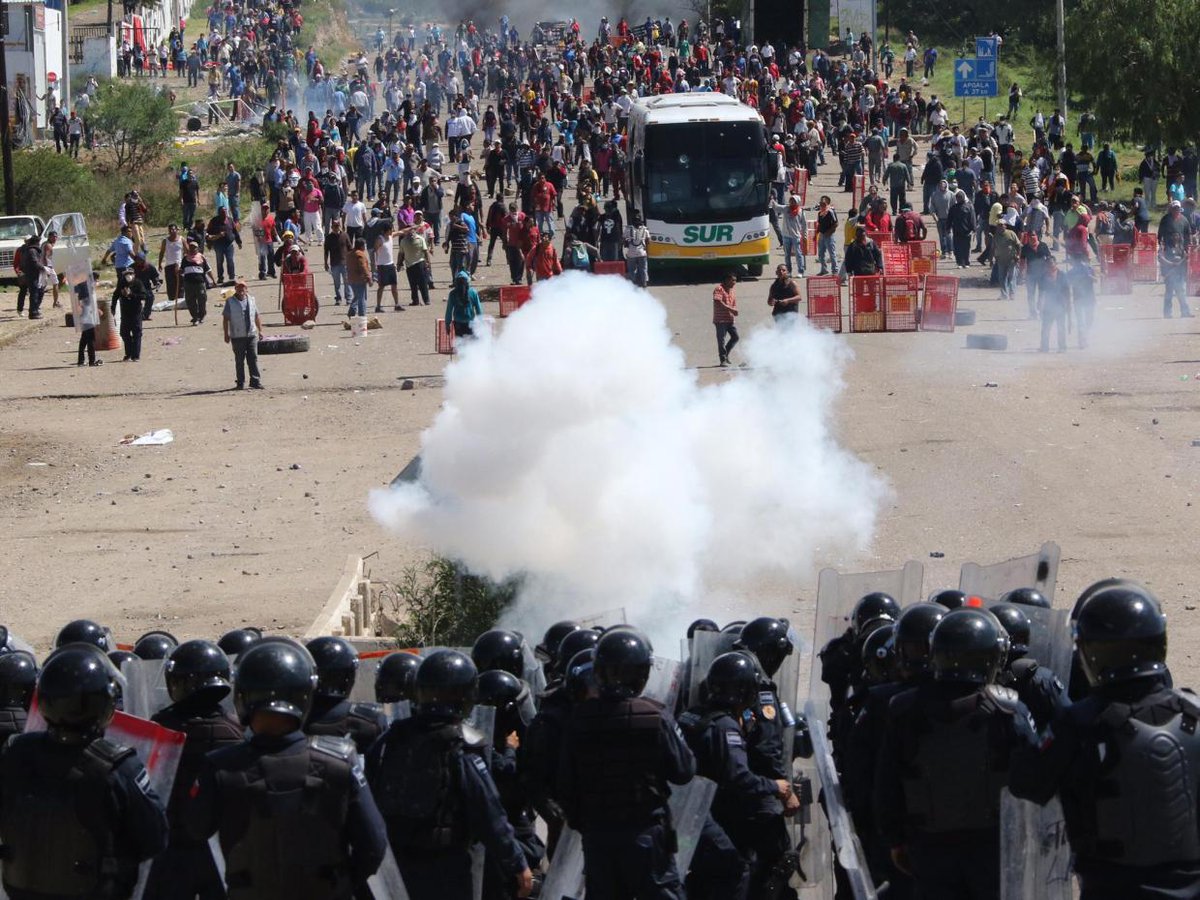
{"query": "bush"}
pixel 441 605
pixel 135 126
pixel 47 183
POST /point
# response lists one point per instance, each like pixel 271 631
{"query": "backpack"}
pixel 909 230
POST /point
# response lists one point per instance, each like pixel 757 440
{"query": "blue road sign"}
pixel 975 78
pixel 987 47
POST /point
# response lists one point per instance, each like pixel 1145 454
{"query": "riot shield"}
pixel 401 709
pixel 386 883
pixel 1050 639
pixel 145 688
pixel 479 727
pixel 564 880
pixel 532 672
pixel 663 684
pixel 836 596
pixel 1037 570
pixel 364 680
pixel 1035 857
pixel 849 850
pixel 689 806
pixel 608 618
pixel 478 855
pixel 706 646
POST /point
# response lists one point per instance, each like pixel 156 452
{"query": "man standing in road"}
pixel 725 317
pixel 243 325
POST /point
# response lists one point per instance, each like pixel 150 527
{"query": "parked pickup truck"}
pixel 72 245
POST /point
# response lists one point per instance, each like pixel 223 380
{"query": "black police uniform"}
pixel 186 867
pixel 618 757
pixel 945 758
pixel 841 668
pixel 75 820
pixel 295 818
pixel 539 758
pixel 363 723
pixel 1038 687
pixel 514 798
pixel 12 721
pixel 437 798
pixel 1125 762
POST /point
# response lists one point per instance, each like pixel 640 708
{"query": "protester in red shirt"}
pixel 724 316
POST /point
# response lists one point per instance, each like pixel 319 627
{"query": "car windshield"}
pixel 16 229
pixel 705 171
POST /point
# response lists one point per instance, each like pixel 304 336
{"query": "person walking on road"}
pixel 725 317
pixel 242 325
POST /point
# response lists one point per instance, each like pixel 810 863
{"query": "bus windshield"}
pixel 705 171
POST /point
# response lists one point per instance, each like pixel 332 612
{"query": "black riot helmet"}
pixel 84 631
pixel 768 640
pixel 967 646
pixel 235 643
pixel 879 655
pixel 18 677
pixel 547 650
pixel 506 692
pixel 1026 596
pixel 734 627
pixel 579 677
pixel 876 605
pixel 446 685
pixel 337 666
pixel 576 642
pixel 1016 624
pixel 950 598
pixel 1121 635
pixel 119 657
pixel 197 670
pixel 701 625
pixel 911 637
pixel 77 693
pixel 155 645
pixel 274 676
pixel 396 677
pixel 732 682
pixel 498 649
pixel 623 660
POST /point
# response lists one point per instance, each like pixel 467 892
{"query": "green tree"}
pixel 135 125
pixel 1134 63
pixel 440 604
pixel 46 183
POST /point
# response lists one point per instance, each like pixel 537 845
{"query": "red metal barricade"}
pixel 939 302
pixel 901 294
pixel 799 184
pixel 1193 274
pixel 924 257
pixel 824 302
pixel 808 243
pixel 443 337
pixel 298 298
pixel 896 259
pixel 880 237
pixel 513 297
pixel 1116 269
pixel 866 303
pixel 1145 257
pixel 600 267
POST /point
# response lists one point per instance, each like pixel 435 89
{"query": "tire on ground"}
pixel 987 342
pixel 283 343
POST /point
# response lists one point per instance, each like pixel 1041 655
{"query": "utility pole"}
pixel 1061 62
pixel 64 77
pixel 10 196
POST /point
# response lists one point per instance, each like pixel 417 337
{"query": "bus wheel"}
pixel 755 270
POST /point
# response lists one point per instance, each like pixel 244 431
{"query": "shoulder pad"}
pixel 1189 704
pixel 689 719
pixel 1005 699
pixel 1024 668
pixel 108 752
pixel 369 711
pixel 337 747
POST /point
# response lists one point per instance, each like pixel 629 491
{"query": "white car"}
pixel 71 247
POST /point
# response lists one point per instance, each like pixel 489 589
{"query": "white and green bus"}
pixel 700 177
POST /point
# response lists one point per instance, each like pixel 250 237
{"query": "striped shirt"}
pixel 724 305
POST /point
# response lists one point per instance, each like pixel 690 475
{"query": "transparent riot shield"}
pixel 1035 858
pixel 663 684
pixel 564 880
pixel 836 596
pixel 1050 639
pixel 479 727
pixel 532 672
pixel 845 840
pixel 386 883
pixel 689 806
pixel 608 618
pixel 364 680
pixel 145 689
pixel 478 855
pixel 401 709
pixel 1037 570
pixel 706 646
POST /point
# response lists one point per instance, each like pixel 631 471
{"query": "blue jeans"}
pixel 358 299
pixel 339 279
pixel 727 338
pixel 544 222
pixel 791 246
pixel 224 251
pixel 638 269
pixel 266 260
pixel 825 246
pixel 1176 286
pixel 944 238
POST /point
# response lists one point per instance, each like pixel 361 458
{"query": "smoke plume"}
pixel 577 449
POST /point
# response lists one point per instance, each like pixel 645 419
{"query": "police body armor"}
pixel 285 815
pixel 58 831
pixel 952 777
pixel 1144 805
pixel 417 790
pixel 360 723
pixel 204 734
pixel 12 721
pixel 614 745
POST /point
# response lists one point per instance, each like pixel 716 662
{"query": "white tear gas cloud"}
pixel 578 450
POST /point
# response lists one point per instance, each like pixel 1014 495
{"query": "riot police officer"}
pixel 1038 687
pixel 714 733
pixel 18 676
pixel 1026 596
pixel 235 643
pixel 332 712
pixel 84 631
pixel 620 753
pixel 841 658
pixel 951 598
pixel 435 791
pixel 396 678
pixel 1125 760
pixel 498 649
pixel 946 752
pixel 155 645
pixel 294 816
pixel 547 650
pixel 197 674
pixel 507 695
pixel 77 813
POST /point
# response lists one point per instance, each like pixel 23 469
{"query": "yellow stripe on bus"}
pixel 760 247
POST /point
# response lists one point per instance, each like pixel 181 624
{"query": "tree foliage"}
pixel 955 25
pixel 46 183
pixel 135 126
pixel 439 604
pixel 1135 64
